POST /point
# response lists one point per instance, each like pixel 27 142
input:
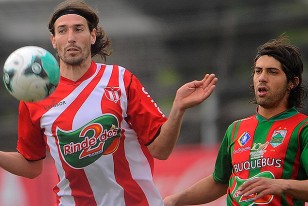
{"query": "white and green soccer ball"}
pixel 31 73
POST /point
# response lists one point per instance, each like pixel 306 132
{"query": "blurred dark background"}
pixel 166 44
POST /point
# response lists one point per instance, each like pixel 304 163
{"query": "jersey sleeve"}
pixel 30 141
pixel 223 165
pixel 304 146
pixel 144 115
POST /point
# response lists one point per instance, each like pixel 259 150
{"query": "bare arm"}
pixel 15 163
pixel 266 186
pixel 204 191
pixel 189 95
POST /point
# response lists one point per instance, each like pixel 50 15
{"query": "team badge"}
pixel 278 137
pixel 113 93
pixel 244 138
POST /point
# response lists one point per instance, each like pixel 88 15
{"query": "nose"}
pixel 262 77
pixel 71 36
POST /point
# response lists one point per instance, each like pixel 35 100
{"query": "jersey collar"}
pixel 284 115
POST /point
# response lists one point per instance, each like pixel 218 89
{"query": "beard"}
pixel 72 60
pixel 273 100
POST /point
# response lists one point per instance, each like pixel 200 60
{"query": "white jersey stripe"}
pixel 105 161
pixel 141 170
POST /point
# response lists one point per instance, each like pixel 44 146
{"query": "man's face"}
pixel 72 39
pixel 270 83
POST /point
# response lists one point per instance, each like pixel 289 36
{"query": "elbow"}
pixel 35 169
pixel 160 155
pixel 159 151
pixel 34 174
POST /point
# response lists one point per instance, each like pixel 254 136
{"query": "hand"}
pixel 195 92
pixel 261 187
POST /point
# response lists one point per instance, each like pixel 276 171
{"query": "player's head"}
pixel 102 44
pixel 290 58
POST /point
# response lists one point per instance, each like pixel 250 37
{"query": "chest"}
pixel 265 146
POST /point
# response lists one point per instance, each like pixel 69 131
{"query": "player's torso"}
pixel 88 138
pixel 262 148
pixel 85 117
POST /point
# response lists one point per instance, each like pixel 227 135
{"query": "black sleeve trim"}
pixel 156 135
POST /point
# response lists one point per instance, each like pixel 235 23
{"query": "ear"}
pixel 294 84
pixel 52 39
pixel 93 36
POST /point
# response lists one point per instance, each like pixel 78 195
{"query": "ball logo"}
pixel 85 145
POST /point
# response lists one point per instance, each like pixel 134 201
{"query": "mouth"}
pixel 262 91
pixel 72 49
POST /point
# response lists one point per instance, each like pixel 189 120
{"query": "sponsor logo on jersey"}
pixel 250 200
pixel 258 150
pixel 244 138
pixel 55 105
pixel 242 149
pixel 85 145
pixel 278 137
pixel 257 163
pixel 148 95
pixel 112 93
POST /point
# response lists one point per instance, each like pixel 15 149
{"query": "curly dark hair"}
pixel 290 58
pixel 102 45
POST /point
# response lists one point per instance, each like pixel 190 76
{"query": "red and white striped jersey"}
pixel 96 130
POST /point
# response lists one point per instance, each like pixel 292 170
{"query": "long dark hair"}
pixel 290 58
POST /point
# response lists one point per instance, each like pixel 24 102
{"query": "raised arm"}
pixel 189 95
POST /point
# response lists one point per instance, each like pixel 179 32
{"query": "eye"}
pixel 257 71
pixel 273 71
pixel 79 29
pixel 61 30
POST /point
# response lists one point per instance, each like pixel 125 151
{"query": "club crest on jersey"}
pixel 85 145
pixel 244 138
pixel 113 93
pixel 278 137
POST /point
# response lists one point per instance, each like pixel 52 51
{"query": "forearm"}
pixel 296 188
pixel 164 143
pixel 15 163
pixel 204 191
pixel 187 96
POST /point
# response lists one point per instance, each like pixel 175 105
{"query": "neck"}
pixel 270 112
pixel 74 72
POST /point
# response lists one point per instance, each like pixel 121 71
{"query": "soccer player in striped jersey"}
pixel 100 125
pixel 263 159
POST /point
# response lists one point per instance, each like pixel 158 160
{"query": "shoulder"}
pixel 115 67
pixel 112 66
pixel 303 116
pixel 239 121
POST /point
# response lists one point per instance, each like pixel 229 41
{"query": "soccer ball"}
pixel 31 73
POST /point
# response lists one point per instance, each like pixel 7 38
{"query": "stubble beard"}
pixel 72 60
pixel 273 100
